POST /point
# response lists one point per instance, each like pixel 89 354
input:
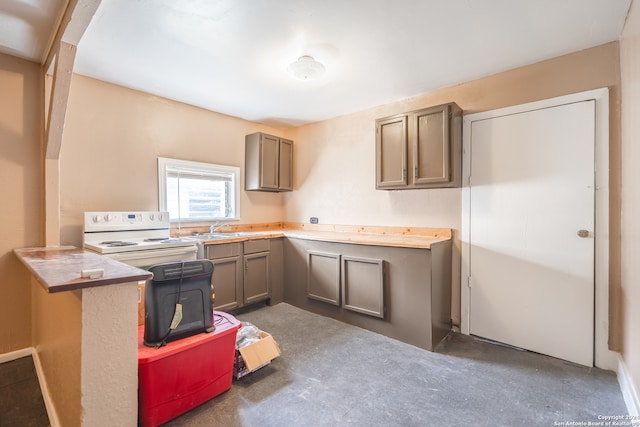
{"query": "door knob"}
pixel 583 233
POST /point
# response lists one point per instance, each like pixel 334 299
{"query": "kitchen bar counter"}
pixel 59 269
pixel 87 336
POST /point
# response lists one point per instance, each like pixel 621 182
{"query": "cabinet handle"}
pixel 404 174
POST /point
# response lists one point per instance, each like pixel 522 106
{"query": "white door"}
pixel 531 224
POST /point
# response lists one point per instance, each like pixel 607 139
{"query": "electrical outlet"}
pixel 313 220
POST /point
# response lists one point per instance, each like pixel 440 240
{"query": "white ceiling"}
pixel 27 27
pixel 230 56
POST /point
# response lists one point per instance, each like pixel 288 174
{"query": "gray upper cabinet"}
pixel 420 149
pixel 391 152
pixel 268 163
pixel 285 165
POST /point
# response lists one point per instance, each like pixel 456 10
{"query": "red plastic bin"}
pixel 185 373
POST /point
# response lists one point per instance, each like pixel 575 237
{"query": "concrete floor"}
pixel 21 403
pixel 333 374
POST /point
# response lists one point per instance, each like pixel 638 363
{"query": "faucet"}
pixel 216 226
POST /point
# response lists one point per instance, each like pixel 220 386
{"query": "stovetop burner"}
pixel 117 243
pixel 172 240
pixel 164 239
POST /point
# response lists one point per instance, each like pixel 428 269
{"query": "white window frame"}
pixel 165 165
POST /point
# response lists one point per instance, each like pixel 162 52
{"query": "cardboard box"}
pixel 254 356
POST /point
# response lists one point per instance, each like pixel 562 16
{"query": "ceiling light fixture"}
pixel 306 68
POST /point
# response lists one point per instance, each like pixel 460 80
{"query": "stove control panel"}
pixel 119 221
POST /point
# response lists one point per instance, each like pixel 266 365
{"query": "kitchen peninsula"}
pixel 89 335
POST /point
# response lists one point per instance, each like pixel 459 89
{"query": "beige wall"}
pixel 22 190
pixel 57 338
pixel 630 228
pixel 113 137
pixel 334 160
pixel 87 346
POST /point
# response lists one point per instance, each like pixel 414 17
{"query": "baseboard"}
pixel 18 354
pixel 629 392
pixel 54 421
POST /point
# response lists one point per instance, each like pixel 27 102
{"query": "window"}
pixel 193 191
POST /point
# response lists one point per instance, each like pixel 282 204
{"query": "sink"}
pixel 209 236
pixel 218 236
pixel 241 234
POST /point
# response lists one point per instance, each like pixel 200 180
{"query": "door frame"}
pixel 603 357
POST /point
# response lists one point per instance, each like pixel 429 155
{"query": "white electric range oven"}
pixel 140 239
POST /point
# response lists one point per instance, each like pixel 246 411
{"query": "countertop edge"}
pixel 411 242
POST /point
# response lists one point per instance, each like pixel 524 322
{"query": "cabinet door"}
pixel 285 165
pixel 431 146
pixel 256 277
pixel 363 285
pixel 391 152
pixel 227 283
pixel 323 277
pixel 269 154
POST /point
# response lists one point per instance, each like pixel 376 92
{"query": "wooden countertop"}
pixel 421 238
pixel 400 241
pixel 59 269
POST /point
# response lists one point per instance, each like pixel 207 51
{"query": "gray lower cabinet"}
pixel 363 285
pixel 403 293
pixel 323 277
pixel 354 283
pixel 227 275
pixel 256 270
pixel 244 271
